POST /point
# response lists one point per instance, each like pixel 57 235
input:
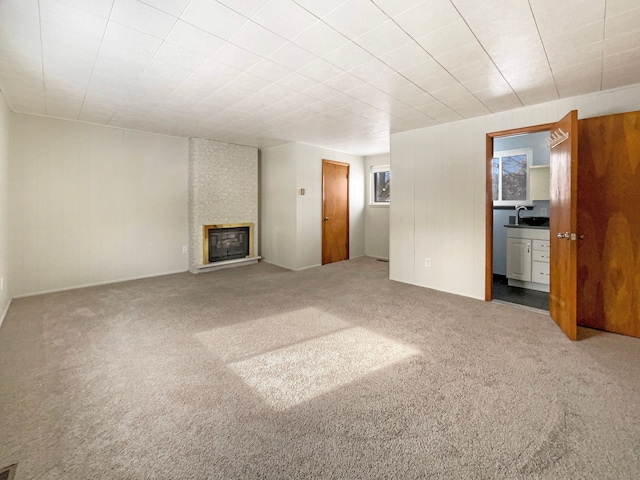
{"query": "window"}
pixel 510 177
pixel 380 185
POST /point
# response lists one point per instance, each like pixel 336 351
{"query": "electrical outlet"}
pixel 543 212
pixel 184 249
pixel 427 262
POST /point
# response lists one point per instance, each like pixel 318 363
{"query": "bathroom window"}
pixel 380 185
pixel 510 177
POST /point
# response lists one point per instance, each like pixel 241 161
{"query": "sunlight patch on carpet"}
pixel 292 375
pixel 241 340
pixel 297 356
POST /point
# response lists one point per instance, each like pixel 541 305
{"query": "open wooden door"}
pixel 563 224
pixel 335 211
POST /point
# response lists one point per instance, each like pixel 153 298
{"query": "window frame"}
pixel 509 153
pixel 372 185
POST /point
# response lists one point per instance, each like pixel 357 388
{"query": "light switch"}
pixel 302 191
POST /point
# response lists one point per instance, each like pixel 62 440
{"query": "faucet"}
pixel 519 208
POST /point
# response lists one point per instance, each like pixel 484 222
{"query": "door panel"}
pixel 563 206
pixel 609 255
pixel 335 211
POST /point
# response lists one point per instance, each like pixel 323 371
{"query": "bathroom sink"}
pixel 535 221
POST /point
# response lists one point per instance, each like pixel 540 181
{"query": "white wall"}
pixel 93 204
pixel 291 223
pixel 376 236
pixel 438 207
pixel 5 128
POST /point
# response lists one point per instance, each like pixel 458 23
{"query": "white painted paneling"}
pixel 94 204
pixel 439 190
pixel 291 223
pixel 278 206
pixel 402 209
pixel 5 275
pixel 376 216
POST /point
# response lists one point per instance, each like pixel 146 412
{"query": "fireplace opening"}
pixel 226 243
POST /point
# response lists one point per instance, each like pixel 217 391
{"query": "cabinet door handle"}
pixel 528 247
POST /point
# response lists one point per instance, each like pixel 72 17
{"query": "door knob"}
pixel 326 218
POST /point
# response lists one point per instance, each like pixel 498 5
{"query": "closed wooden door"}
pixel 335 211
pixel 563 225
pixel 608 203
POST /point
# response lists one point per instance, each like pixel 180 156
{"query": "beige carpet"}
pixel 333 372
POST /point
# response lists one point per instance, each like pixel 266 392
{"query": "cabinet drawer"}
pixel 540 272
pixel 541 245
pixel 540 256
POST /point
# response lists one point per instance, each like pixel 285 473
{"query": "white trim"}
pixel 6 310
pixel 97 284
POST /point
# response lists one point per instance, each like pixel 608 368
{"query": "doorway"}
pixel 520 187
pixel 335 211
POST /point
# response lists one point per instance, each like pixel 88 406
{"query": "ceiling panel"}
pixel 341 73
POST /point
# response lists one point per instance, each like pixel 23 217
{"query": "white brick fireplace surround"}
pixel 223 189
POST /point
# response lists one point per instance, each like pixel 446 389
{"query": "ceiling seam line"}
pixel 435 60
pixel 546 55
pixel 84 97
pixel 485 51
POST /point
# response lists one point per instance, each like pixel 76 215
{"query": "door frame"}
pixel 488 276
pixel 342 164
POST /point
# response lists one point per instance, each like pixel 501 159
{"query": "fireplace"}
pixel 227 242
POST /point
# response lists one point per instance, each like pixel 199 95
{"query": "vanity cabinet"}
pixel 528 257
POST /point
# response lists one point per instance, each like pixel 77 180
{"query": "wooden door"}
pixel 608 202
pixel 563 224
pixel 335 211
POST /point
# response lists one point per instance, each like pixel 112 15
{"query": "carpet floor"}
pixel 331 372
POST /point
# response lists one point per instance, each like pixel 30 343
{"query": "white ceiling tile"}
pixel 142 17
pixel 624 23
pixel 235 56
pixel 344 82
pixel 214 18
pixel 453 36
pixel 348 56
pixel 616 7
pixel 621 76
pixel 246 8
pixel 320 8
pixel 269 70
pixel 620 43
pixel 101 8
pixel 355 18
pixel 320 39
pixel 172 54
pixel 553 17
pixel 406 56
pixel 62 17
pixel 390 83
pixel 371 70
pixel 128 46
pixel 297 82
pixel 384 39
pixel 321 91
pixel 193 39
pixel 172 7
pixel 622 59
pixel 257 39
pixel 292 56
pixel 427 17
pixel 284 17
pixel 320 70
pixel 395 7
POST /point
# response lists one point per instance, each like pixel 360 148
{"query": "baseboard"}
pixel 98 284
pixel 6 310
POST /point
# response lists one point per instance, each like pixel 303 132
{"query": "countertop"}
pixel 537 227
